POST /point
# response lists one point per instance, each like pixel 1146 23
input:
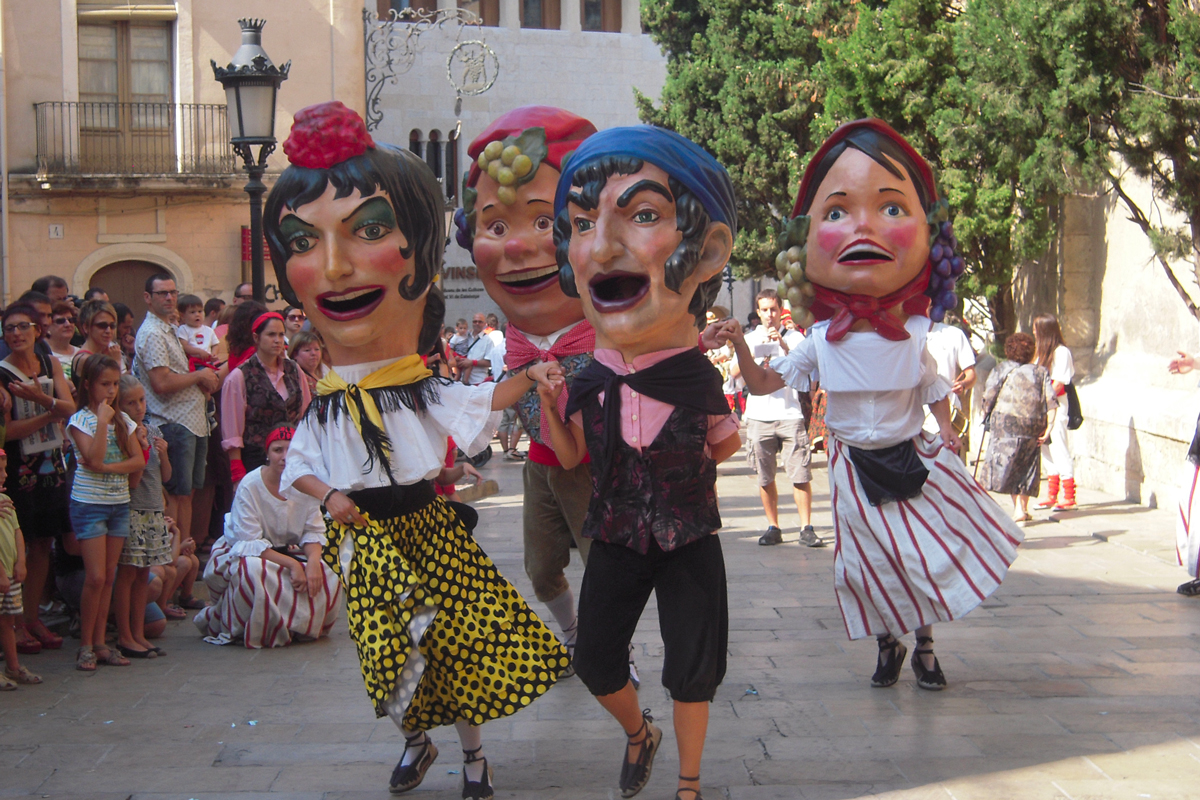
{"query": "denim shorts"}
pixel 90 520
pixel 189 457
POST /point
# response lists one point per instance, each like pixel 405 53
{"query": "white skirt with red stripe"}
pixel 1187 525
pixel 933 558
pixel 254 602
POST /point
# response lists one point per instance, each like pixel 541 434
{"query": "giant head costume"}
pixel 507 218
pixel 357 231
pixel 644 224
pixel 869 242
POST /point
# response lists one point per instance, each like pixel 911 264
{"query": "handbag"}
pixel 1074 413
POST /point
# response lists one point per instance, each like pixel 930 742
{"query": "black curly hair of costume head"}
pixel 416 198
pixel 690 219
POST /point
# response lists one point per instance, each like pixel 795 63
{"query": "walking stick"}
pixel 979 454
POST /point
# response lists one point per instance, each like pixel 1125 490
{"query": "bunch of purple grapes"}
pixel 947 266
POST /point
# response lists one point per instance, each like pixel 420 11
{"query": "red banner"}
pixel 246 250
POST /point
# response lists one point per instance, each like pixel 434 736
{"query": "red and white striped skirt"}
pixel 253 600
pixel 1187 524
pixel 906 564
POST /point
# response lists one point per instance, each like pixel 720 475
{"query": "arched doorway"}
pixel 125 282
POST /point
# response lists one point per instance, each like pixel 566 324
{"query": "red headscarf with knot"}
pixel 564 132
pixel 845 309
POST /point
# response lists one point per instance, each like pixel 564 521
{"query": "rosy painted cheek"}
pixel 829 237
pixel 901 237
pixel 488 254
pixel 303 278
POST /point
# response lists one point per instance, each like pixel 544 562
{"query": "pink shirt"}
pixel 643 417
pixel 233 403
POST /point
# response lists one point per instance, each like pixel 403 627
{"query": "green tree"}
pixel 739 82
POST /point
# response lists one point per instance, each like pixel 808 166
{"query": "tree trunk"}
pixel 1004 314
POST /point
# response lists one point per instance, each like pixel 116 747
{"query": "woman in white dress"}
pixel 268 583
pixel 1056 453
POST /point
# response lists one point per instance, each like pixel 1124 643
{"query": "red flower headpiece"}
pixel 326 134
pixel 283 433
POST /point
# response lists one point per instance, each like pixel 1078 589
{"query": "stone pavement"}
pixel 1076 680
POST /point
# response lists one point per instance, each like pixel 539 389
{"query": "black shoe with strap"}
pixel 482 788
pixel 695 793
pixel 409 776
pixel 931 679
pixel 636 774
pixel 1189 589
pixel 888 670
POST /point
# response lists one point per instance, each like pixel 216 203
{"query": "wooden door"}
pixel 125 282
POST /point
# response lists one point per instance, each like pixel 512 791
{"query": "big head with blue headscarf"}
pixel 644 224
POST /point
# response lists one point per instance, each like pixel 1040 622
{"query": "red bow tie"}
pixel 845 309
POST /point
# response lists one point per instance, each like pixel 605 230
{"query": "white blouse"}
pixel 259 520
pixel 335 453
pixel 877 388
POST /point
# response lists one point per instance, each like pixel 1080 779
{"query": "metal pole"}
pixel 255 188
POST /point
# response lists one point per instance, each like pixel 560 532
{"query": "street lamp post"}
pixel 251 81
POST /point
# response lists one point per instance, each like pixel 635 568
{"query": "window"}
pixel 541 14
pixel 487 10
pixel 441 154
pixel 385 6
pixel 125 113
pixel 601 15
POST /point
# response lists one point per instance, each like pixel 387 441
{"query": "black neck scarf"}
pixel 687 379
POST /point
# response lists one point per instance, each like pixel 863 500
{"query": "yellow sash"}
pixel 409 369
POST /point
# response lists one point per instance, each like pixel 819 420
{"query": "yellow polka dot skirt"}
pixel 487 655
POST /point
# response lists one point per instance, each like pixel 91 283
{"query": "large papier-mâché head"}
pixel 357 232
pixel 644 224
pixel 507 218
pixel 868 224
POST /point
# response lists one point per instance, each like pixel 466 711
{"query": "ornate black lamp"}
pixel 251 81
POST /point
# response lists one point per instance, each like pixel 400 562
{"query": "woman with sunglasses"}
pixel 293 322
pixel 98 321
pixel 62 330
pixel 37 479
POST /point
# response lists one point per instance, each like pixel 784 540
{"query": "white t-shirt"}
pixel 203 337
pixel 480 349
pixel 781 404
pixel 102 488
pixel 1062 365
pixel 951 351
pixel 498 350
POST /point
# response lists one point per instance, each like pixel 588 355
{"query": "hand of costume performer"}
pixel 950 438
pixel 343 510
pixel 298 577
pixel 549 375
pixel 471 472
pixel 729 331
pixel 1181 365
pixel 708 337
pixel 550 390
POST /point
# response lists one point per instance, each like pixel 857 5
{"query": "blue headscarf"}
pixel 679 157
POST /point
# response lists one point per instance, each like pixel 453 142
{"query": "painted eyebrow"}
pixel 835 194
pixel 890 189
pixel 485 208
pixel 293 217
pixel 643 186
pixel 363 205
pixel 538 200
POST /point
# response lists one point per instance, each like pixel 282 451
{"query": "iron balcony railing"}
pixel 146 139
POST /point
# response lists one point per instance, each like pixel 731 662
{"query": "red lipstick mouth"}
pixel 618 291
pixel 865 252
pixel 528 281
pixel 351 304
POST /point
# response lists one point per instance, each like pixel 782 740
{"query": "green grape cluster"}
pixel 506 166
pixel 796 290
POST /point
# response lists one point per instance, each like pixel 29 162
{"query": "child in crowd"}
pixel 199 340
pixel 179 575
pixel 461 337
pixel 109 460
pixel 12 572
pixel 149 542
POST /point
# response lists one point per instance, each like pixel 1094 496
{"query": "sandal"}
pixel 569 670
pixel 480 789
pixel 635 776
pixel 888 671
pixel 23 676
pixel 1189 589
pixel 85 660
pixel 192 603
pixel 46 637
pixel 695 792
pixel 172 611
pixel 409 776
pixel 931 679
pixel 27 645
pixel 106 655
pixel 6 685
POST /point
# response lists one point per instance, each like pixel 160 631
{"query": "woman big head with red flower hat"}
pixel 357 232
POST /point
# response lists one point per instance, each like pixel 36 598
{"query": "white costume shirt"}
pixel 952 352
pixel 498 350
pixel 335 453
pixel 781 404
pixel 259 520
pixel 876 387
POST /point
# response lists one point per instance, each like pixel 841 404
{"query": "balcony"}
pixel 132 140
